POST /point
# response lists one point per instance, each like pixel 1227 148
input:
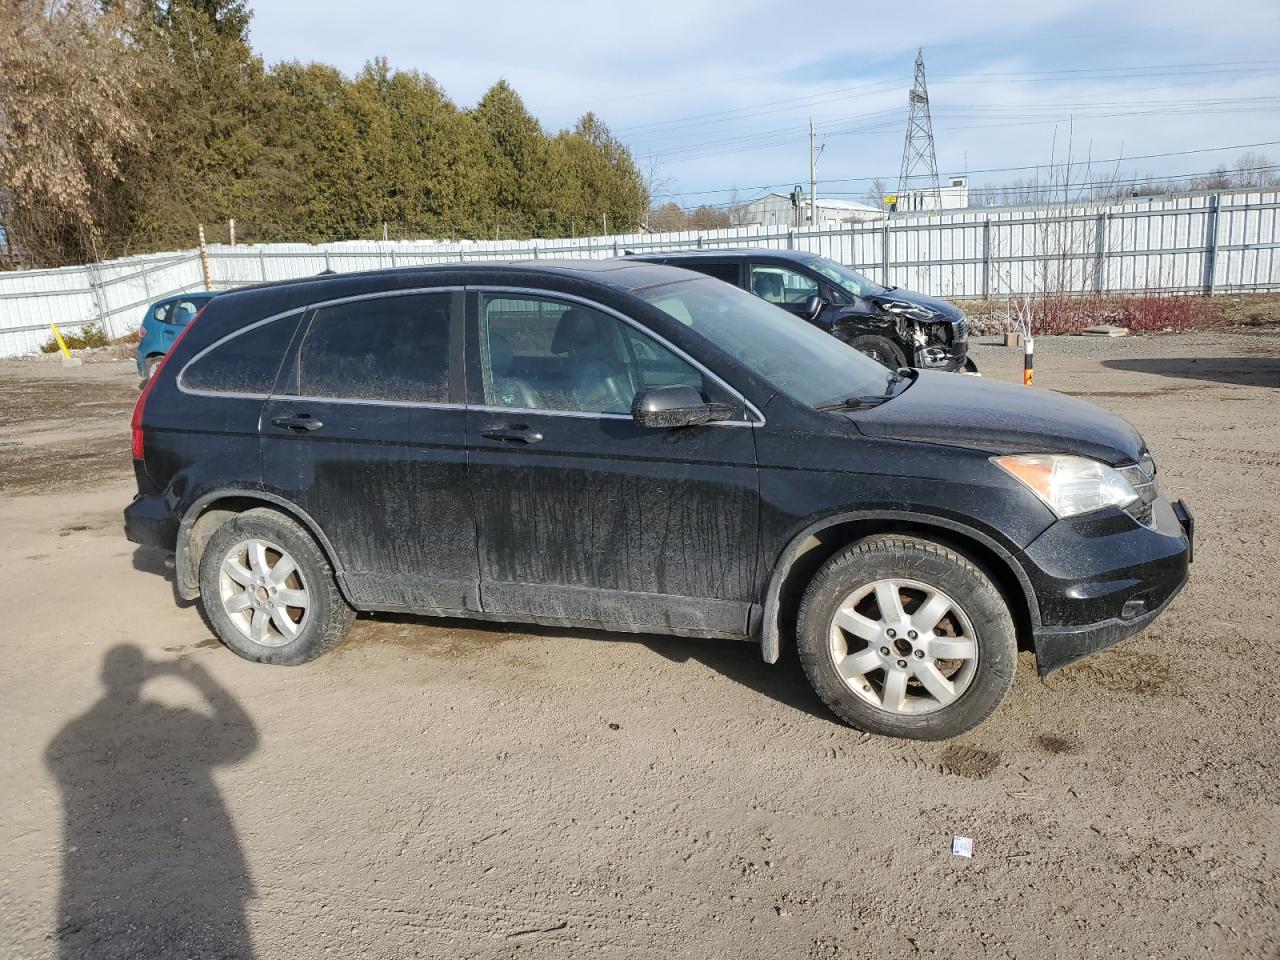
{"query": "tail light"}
pixel 135 422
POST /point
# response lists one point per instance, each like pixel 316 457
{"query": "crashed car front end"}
pixel 938 341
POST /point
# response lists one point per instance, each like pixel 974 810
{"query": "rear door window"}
pixel 383 348
pixel 247 362
pixel 185 310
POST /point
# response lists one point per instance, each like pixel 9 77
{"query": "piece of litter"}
pixel 962 846
pixel 1105 330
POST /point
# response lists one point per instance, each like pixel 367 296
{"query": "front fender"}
pixel 770 622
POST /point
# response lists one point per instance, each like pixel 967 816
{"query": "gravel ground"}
pixel 438 788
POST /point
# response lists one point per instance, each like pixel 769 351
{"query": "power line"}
pixel 1017 169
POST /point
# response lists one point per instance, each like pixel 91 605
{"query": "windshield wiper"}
pixel 853 403
pixel 896 377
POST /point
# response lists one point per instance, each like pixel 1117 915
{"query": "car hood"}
pixel 951 409
pixel 941 308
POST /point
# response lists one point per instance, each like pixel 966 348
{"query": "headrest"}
pixel 578 329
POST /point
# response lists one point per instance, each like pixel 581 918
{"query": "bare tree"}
pixel 65 117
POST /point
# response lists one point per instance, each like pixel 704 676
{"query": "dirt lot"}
pixel 438 789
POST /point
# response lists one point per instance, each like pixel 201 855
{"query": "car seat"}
pixel 767 286
pixel 598 381
pixel 509 391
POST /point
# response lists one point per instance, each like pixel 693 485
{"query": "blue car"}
pixel 161 325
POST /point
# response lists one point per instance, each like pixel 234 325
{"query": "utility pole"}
pixel 919 159
pixel 204 258
pixel 813 177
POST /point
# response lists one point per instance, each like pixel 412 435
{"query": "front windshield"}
pixel 796 357
pixel 848 279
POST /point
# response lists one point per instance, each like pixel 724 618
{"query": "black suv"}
pixel 637 447
pixel 897 327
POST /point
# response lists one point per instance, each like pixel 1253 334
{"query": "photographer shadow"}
pixel 151 864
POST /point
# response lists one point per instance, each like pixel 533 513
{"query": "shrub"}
pixel 1147 312
pixel 90 335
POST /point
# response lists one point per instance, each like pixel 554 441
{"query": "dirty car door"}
pixel 582 514
pixel 366 437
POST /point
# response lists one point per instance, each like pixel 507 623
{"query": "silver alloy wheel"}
pixel 903 646
pixel 263 592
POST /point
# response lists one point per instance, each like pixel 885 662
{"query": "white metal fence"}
pixel 1203 243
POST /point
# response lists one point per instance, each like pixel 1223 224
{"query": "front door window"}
pixel 780 285
pixel 545 354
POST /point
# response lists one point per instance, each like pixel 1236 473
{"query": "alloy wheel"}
pixel 903 646
pixel 263 593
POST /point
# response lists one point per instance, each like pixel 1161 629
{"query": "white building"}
pixel 777 210
pixel 953 196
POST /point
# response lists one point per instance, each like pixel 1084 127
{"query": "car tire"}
pixel 149 366
pixel 880 349
pixel 269 591
pixel 936 683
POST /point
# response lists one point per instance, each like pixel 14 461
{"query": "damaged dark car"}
pixel 635 447
pixel 893 326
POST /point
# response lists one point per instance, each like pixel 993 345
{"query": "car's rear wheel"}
pixel 149 366
pixel 269 591
pixel 904 637
pixel 880 349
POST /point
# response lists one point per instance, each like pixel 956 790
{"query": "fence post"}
pixel 262 265
pixel 1100 256
pixel 986 259
pixel 791 238
pixel 95 284
pixel 1211 245
pixel 326 262
pixel 884 253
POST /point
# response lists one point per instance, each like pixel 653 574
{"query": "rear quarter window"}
pixel 245 362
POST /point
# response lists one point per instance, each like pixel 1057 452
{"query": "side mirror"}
pixel 677 405
pixel 813 306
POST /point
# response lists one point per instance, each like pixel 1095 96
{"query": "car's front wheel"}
pixel 904 637
pixel 880 349
pixel 269 591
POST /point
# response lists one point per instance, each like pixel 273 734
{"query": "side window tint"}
pixel 384 348
pixel 728 272
pixel 161 313
pixel 545 354
pixel 780 285
pixel 246 363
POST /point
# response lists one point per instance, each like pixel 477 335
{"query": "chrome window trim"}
pixel 750 407
pixel 432 405
pixel 318 305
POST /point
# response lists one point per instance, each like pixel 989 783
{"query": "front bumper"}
pixel 1100 580
pixel 949 357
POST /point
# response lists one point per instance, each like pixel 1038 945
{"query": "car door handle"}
pixel 304 423
pixel 518 435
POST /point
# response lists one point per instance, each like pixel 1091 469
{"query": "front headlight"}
pixel 1069 485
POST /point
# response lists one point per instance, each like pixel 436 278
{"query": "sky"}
pixel 714 99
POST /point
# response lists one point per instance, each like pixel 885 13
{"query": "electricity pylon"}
pixel 919 176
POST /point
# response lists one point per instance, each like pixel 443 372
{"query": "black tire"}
pixel 328 616
pixel 149 366
pixel 909 558
pixel 880 349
